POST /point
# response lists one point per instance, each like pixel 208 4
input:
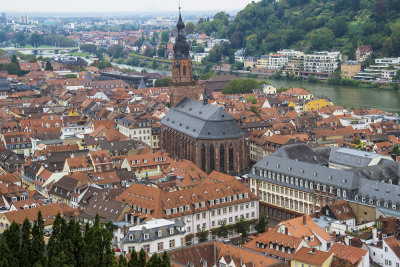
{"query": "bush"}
pixel 241 86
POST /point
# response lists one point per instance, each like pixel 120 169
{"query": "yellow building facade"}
pixel 350 69
pixel 316 104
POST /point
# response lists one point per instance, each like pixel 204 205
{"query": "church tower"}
pixel 183 84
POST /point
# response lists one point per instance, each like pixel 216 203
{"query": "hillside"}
pixel 308 25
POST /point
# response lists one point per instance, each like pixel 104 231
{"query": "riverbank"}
pixel 347 96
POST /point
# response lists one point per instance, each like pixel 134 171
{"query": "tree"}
pixel 262 223
pixel 11 238
pixel 38 241
pixel 75 242
pixel 397 76
pixel 26 244
pixel 142 258
pixel 252 100
pixel 36 39
pixel 57 249
pixel 5 253
pixel 165 37
pixel 251 45
pixel 161 51
pixel 48 66
pixel 322 39
pixel 154 261
pixel 20 38
pixel 255 110
pixel 122 261
pixel 395 150
pixel 198 48
pixel 222 230
pixel 189 28
pixel 242 227
pixel 115 51
pixel 90 48
pixel 133 262
pixel 241 86
pixel 165 260
pixel 395 36
pixel 202 235
pixel 163 82
pixel 100 52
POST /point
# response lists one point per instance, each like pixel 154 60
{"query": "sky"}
pixel 134 6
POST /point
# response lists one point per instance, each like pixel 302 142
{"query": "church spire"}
pixel 181 46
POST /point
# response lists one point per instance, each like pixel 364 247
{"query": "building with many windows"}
pixel 154 236
pixel 203 207
pixel 322 62
pixel 299 180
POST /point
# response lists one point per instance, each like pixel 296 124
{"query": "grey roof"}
pixel 142 85
pixel 380 191
pixel 382 172
pixel 118 145
pixel 319 174
pixel 304 153
pixel 137 236
pixel 351 157
pixel 4 85
pixel 107 209
pixel 202 121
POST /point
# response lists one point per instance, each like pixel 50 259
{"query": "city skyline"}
pixel 118 6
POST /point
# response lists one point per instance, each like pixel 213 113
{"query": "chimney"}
pixel 305 219
pixel 375 236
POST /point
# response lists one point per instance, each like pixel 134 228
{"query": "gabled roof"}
pixel 212 252
pixel 49 212
pixel 341 210
pixel 394 245
pixel 352 254
pixel 202 121
pixel 316 257
pixel 305 226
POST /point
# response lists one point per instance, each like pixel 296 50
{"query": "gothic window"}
pixel 184 71
pixel 203 158
pixel 222 158
pixel 212 158
pixel 231 159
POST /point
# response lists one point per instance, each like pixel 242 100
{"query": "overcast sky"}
pixel 133 6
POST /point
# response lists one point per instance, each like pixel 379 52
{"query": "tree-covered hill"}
pixel 268 25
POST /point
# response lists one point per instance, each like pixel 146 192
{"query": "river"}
pixel 387 100
pixel 341 95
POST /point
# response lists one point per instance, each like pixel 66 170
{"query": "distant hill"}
pixel 308 25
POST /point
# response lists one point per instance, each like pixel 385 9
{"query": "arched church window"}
pixel 212 158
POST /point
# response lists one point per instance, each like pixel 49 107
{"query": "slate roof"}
pixel 352 157
pixel 4 85
pixel 152 227
pixel 338 178
pixel 379 191
pixel 202 121
pixel 304 153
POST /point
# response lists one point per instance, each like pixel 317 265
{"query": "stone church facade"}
pixel 197 131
